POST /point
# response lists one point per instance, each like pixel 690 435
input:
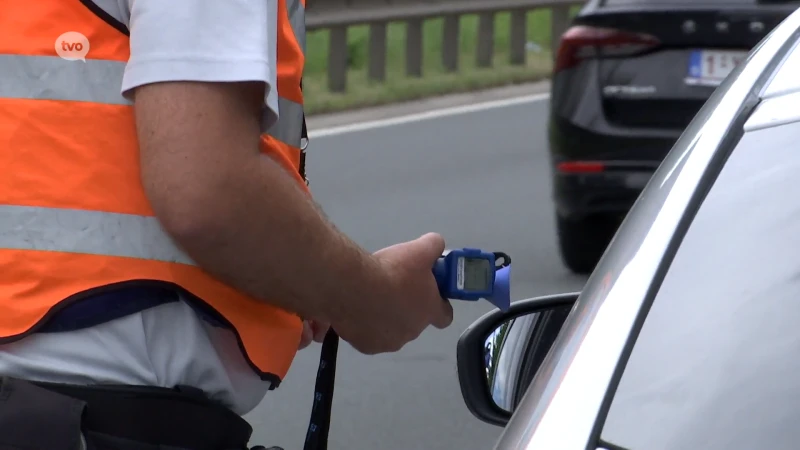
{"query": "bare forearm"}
pixel 235 211
pixel 273 243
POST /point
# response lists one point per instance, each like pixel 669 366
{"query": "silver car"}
pixel 687 334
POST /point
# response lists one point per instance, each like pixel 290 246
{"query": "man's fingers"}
pixel 445 316
pixel 431 245
pixel 306 337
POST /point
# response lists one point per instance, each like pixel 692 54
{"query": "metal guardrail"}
pixel 338 15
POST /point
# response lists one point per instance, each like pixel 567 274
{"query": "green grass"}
pixel 435 81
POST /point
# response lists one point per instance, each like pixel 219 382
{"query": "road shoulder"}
pixel 325 121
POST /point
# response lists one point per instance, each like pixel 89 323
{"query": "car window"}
pixel 716 363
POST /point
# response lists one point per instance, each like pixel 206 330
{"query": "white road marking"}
pixel 427 115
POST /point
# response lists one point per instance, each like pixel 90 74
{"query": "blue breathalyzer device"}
pixel 472 274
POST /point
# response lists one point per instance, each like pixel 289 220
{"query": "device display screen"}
pixel 477 274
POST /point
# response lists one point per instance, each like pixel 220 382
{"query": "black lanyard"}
pixel 318 427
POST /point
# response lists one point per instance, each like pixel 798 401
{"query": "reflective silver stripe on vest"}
pixel 289 127
pixel 52 78
pixel 297 18
pixel 87 232
pixel 99 81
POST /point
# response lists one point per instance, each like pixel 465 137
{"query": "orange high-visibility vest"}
pixel 74 219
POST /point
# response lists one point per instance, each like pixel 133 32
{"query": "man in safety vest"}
pixel 161 259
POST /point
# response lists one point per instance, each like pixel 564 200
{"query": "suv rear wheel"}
pixel 583 241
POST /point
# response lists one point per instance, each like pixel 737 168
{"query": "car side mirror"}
pixel 500 353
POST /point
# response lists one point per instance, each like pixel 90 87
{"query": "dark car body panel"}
pixel 634 108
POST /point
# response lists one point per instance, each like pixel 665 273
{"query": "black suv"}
pixel 628 77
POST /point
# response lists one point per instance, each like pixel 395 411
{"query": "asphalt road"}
pixel 482 180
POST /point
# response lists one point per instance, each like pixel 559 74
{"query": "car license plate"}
pixel 710 67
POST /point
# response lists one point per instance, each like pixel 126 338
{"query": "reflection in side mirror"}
pixel 515 350
pixel 500 353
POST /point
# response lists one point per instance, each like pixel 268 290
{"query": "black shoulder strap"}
pixel 319 425
pixel 106 17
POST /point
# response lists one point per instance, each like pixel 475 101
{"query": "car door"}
pixel 568 400
pixel 715 362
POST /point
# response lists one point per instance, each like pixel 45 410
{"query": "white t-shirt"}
pixel 195 40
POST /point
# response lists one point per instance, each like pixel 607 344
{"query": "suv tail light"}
pixel 582 42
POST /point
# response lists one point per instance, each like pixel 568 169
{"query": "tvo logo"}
pixel 72 46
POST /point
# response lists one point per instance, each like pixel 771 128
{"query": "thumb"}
pixel 429 246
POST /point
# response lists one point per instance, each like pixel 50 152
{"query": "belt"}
pixel 182 417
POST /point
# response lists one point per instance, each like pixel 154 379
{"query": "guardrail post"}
pixel 518 39
pixel 377 51
pixel 485 47
pixel 414 47
pixel 559 21
pixel 450 42
pixel 337 59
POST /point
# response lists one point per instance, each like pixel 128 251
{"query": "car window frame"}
pixel 726 148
